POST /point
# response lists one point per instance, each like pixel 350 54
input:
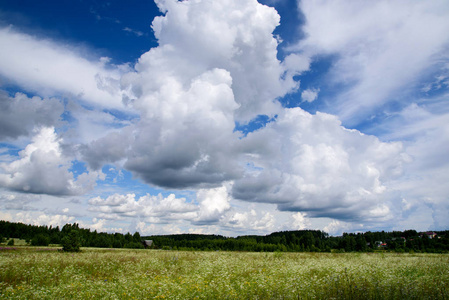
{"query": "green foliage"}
pixel 102 240
pixel 136 237
pixel 349 243
pixel 285 241
pixel 40 240
pixel 71 242
pixel 134 245
pixel 10 242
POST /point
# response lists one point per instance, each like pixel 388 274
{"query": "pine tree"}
pixel 71 242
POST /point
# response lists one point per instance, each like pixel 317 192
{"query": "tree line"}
pixel 294 241
pixel 45 235
pixel 311 241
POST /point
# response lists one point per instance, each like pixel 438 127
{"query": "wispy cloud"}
pixel 381 48
pixel 135 32
pixel 48 69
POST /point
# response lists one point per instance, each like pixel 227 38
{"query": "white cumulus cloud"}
pixel 313 164
pixel 42 168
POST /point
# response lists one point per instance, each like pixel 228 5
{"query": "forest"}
pixel 285 241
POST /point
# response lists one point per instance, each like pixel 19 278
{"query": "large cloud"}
pixel 313 164
pixel 190 92
pixel 196 36
pixel 42 168
pixel 193 87
pixel 180 138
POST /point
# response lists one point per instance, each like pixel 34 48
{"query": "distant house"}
pixel 147 243
pixel 380 244
pixel 431 234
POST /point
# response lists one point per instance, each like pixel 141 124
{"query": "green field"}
pixel 45 273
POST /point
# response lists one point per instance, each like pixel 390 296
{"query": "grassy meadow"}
pixel 45 273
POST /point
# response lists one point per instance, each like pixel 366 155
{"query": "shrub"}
pixel 11 242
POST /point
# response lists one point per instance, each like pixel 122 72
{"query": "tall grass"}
pixel 26 273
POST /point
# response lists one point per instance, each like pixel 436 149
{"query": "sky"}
pixel 229 117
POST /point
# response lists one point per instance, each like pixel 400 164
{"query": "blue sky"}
pixel 230 117
pixel 115 29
